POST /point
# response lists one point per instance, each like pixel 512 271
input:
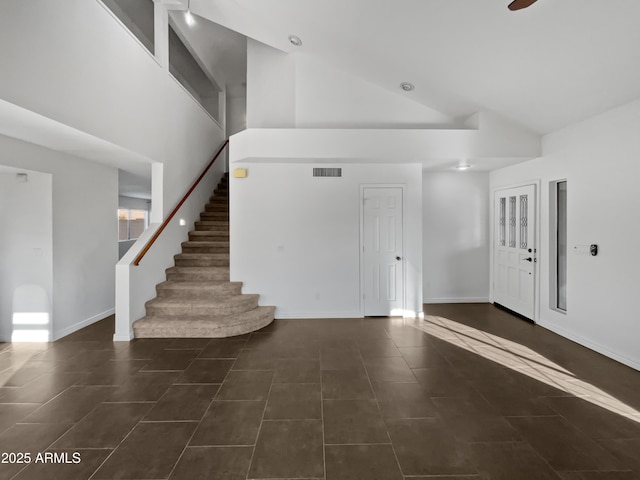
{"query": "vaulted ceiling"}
pixel 544 67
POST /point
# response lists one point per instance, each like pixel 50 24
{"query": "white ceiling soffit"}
pixel 22 124
pixel 545 67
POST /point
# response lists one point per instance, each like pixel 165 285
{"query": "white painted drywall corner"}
pixel 135 285
pixel 295 238
pixel 455 222
pixel 270 87
pixel 599 159
pixel 84 226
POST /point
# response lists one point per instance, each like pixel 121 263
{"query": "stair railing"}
pixel 175 210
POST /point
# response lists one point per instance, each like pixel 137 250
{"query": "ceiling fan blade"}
pixel 519 4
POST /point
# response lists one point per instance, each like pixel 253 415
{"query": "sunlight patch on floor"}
pixel 521 359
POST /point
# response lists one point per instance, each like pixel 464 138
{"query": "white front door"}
pixel 515 252
pixel 382 251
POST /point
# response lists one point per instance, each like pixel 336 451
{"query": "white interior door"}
pixel 382 251
pixel 515 252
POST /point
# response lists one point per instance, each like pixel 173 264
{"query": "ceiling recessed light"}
pixel 295 40
pixel 406 86
pixel 464 166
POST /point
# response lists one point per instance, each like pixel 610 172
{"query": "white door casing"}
pixel 382 251
pixel 515 252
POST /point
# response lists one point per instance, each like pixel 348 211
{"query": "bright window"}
pixel 131 223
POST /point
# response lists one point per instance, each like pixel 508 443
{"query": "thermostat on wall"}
pixel 240 173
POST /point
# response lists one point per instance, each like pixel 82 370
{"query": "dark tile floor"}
pixel 470 393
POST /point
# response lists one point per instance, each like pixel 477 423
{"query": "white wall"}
pixel 85 202
pixel 326 97
pixel 26 243
pixel 599 160
pixel 296 90
pixel 295 238
pixel 72 61
pixel 270 87
pixel 455 233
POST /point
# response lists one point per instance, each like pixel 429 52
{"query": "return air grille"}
pixel 327 172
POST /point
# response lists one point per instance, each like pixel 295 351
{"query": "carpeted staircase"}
pixel 197 299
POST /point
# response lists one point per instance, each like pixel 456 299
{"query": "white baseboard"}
pixel 123 338
pixel 591 345
pixel 84 323
pixel 457 300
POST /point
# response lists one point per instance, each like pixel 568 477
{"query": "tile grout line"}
pixel 186 445
pixel 264 411
pixel 386 429
pixel 324 445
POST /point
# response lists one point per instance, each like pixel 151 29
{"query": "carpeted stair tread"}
pixel 197 289
pixel 197 299
pixel 203 325
pixel 203 274
pixel 205 247
pixel 225 305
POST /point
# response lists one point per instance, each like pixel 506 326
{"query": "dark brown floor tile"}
pixel 11 413
pixel 70 406
pixel 113 373
pixel 407 337
pixel 104 427
pixel 425 447
pixel 24 374
pixel 70 465
pixel 85 361
pixel 562 445
pixel 378 348
pixel 294 401
pixel 229 423
pixel 338 341
pixel 144 387
pixel 510 461
pixel 295 351
pixel 171 360
pixel 514 401
pixel 598 475
pixel 299 370
pixel 345 385
pixel 476 406
pixel 189 343
pixel 596 421
pixel 140 348
pixel 625 450
pixel 42 389
pixel 288 449
pixel 222 349
pixel 256 360
pixel 341 360
pixel 150 451
pixel 206 371
pixel 444 382
pixel 182 403
pixel 447 477
pixel 482 429
pixel 31 438
pixel 403 400
pixel 353 422
pixel 423 357
pixel 361 462
pixel 219 463
pixel 388 369
pixel 246 385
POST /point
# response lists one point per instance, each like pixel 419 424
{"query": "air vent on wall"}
pixel 327 172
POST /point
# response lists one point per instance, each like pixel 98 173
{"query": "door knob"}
pixel 529 259
pixel 398 258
